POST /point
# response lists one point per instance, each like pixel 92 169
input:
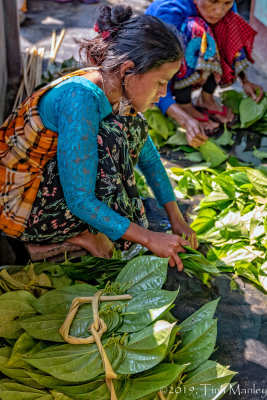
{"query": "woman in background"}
pixel 218 45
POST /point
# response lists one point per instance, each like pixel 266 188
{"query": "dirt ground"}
pixel 242 317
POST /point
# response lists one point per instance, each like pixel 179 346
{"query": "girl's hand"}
pixel 253 90
pixel 181 228
pixel 166 245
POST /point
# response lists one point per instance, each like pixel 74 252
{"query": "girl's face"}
pixel 144 90
pixel 213 10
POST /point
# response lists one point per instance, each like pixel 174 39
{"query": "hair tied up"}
pixel 105 34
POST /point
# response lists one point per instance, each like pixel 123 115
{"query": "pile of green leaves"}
pixel 232 217
pixel 40 277
pixel 165 131
pixel 252 116
pixel 146 348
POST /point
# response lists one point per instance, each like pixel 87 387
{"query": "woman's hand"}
pixel 195 134
pixel 253 90
pixel 166 245
pixel 183 229
pixel 178 224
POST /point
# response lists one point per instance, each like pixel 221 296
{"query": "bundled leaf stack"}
pixel 152 356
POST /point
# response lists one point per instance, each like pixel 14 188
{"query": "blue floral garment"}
pixel 173 12
pixel 201 55
pixel 75 109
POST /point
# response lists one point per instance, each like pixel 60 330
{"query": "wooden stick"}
pixel 59 41
pixel 53 43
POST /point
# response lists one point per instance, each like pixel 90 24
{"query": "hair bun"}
pixel 120 14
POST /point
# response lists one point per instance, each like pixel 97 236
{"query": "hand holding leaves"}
pixel 253 90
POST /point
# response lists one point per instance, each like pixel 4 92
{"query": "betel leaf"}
pixel 47 380
pixel 250 111
pixel 145 308
pixel 20 375
pixel 258 178
pixel 59 396
pixel 156 120
pixel 226 183
pixel 17 391
pixel 44 327
pixel 204 221
pixel 75 363
pixel 232 222
pixel 23 345
pixel 96 390
pixel 231 99
pixel 178 139
pixel 210 381
pixel 146 348
pixel 14 305
pixel 152 381
pixel 144 273
pixel 225 139
pixel 197 345
pixel 62 298
pixel 213 154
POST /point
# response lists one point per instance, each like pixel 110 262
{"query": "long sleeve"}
pixel 151 166
pixel 78 112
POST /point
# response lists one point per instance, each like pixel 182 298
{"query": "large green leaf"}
pixel 23 345
pixel 258 179
pixel 45 327
pixel 206 312
pixel 62 298
pixel 16 391
pixel 14 305
pixel 144 273
pixel 96 390
pixel 213 154
pixel 197 345
pixel 76 363
pixel 59 396
pixel 231 99
pixel 208 382
pixel 146 348
pixel 205 220
pixel 145 308
pixel 153 380
pixel 250 111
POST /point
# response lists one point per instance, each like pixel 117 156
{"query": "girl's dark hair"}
pixel 145 40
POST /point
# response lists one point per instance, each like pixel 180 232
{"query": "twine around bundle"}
pixel 98 327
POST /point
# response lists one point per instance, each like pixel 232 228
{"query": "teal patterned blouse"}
pixel 74 109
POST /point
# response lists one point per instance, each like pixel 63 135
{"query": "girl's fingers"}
pixel 178 262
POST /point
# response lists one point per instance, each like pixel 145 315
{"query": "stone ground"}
pixel 242 317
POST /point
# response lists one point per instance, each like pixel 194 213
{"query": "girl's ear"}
pixel 125 67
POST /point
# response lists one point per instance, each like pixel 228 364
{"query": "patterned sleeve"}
pixel 79 114
pixel 150 164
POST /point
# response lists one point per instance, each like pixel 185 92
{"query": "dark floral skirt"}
pixel 120 140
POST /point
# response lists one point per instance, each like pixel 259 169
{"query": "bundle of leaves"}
pixel 151 355
pixel 232 217
pixel 40 277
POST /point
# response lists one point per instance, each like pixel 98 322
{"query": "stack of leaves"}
pixel 165 131
pixel 39 277
pixel 252 116
pixel 232 217
pixel 152 356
